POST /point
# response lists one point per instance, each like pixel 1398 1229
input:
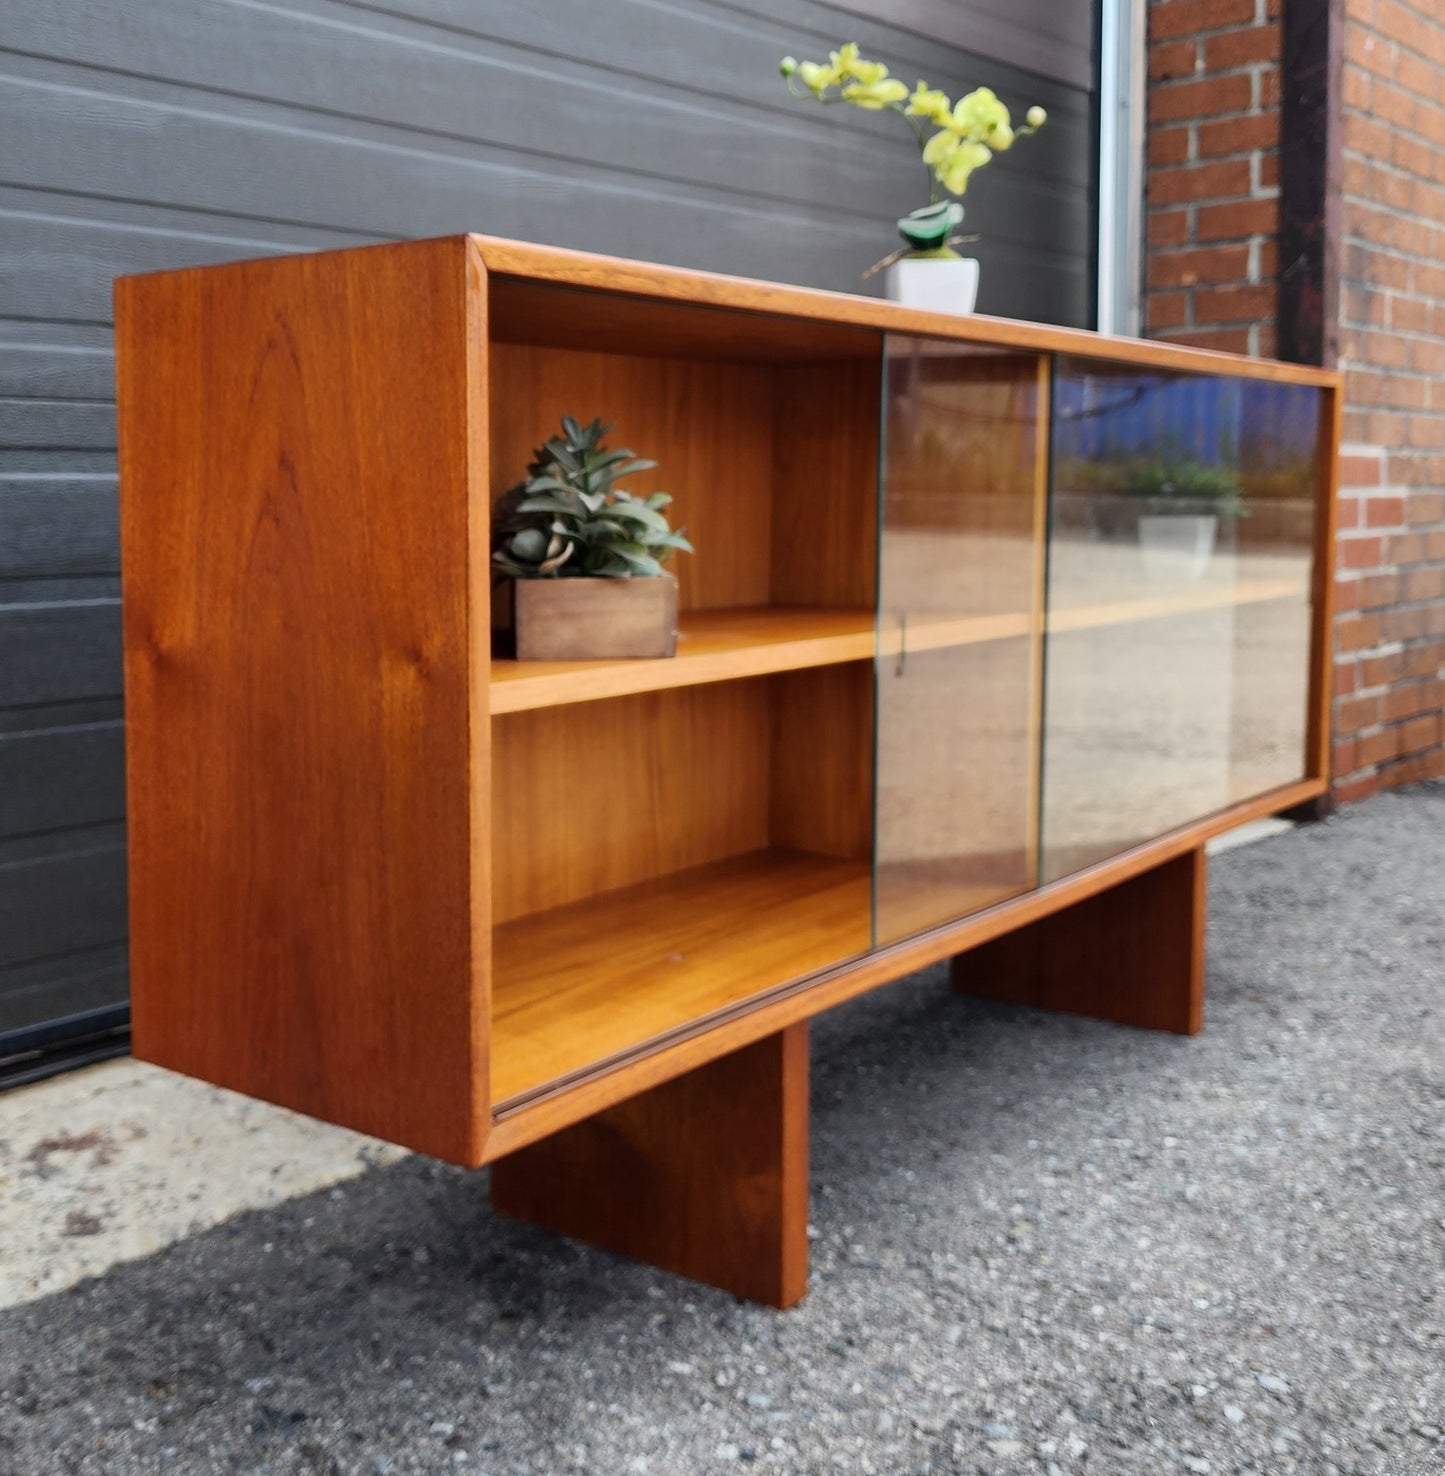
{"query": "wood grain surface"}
pixel 601 979
pixel 706 1175
pixel 576 619
pixel 299 543
pixel 328 821
pixel 1133 954
pixel 825 485
pixel 514 259
pixel 707 424
pixel 1319 735
pixel 821 780
pixel 712 646
pixel 525 1120
pixel 560 315
pixel 601 795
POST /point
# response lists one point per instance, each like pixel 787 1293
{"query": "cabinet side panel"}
pixel 295 565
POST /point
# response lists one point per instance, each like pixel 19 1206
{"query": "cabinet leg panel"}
pixel 1133 954
pixel 706 1175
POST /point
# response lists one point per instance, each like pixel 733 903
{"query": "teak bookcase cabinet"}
pixel 932 700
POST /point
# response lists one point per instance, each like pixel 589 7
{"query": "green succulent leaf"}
pixel 609 565
pixel 640 562
pixel 1172 481
pixel 570 518
pixel 530 543
pixel 616 462
pixel 548 503
pixel 632 511
pixel 558 453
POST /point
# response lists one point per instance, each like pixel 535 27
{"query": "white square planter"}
pixel 936 286
pixel 1177 545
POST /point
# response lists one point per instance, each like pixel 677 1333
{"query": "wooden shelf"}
pixel 712 646
pixel 584 984
pixel 1181 602
pixel 928 630
pixel 915 895
pixel 726 645
pixel 937 630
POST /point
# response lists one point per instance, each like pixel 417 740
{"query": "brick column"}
pixel 1213 173
pixel 1389 633
pixel 1213 224
pixel 1390 724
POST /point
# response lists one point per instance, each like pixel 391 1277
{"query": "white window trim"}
pixel 1122 98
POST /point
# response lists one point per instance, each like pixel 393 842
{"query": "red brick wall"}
pixel 1390 664
pixel 1212 219
pixel 1213 172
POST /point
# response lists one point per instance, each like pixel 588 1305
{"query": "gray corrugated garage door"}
pixel 184 131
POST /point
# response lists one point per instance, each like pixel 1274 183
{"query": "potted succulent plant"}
pixel 1182 502
pixel 954 140
pixel 582 558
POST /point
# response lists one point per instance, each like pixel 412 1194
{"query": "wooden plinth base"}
pixel 706 1175
pixel 1133 954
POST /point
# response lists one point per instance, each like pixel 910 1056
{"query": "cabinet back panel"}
pixel 600 795
pixel 825 481
pixel 822 775
pixel 707 424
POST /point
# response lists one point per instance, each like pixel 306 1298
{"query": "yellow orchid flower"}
pixel 868 72
pixel 969 156
pixel 817 78
pixel 953 159
pixel 873 97
pixel 939 148
pixel 928 102
pixel 969 132
pixel 980 113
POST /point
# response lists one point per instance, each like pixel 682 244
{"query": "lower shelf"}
pixel 586 983
pixel 914 896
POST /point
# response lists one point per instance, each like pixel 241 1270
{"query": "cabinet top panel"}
pixel 840 324
pixel 549 295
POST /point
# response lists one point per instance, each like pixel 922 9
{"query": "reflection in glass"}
pixel 960 625
pixel 1181 530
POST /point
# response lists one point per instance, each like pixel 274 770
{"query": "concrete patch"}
pixel 1246 835
pixel 123 1159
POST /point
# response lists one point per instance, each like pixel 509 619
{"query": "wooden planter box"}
pixel 594 619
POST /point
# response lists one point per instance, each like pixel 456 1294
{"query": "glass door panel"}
pixel 959 680
pixel 1179 588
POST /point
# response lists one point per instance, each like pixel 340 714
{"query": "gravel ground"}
pixel 1043 1245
